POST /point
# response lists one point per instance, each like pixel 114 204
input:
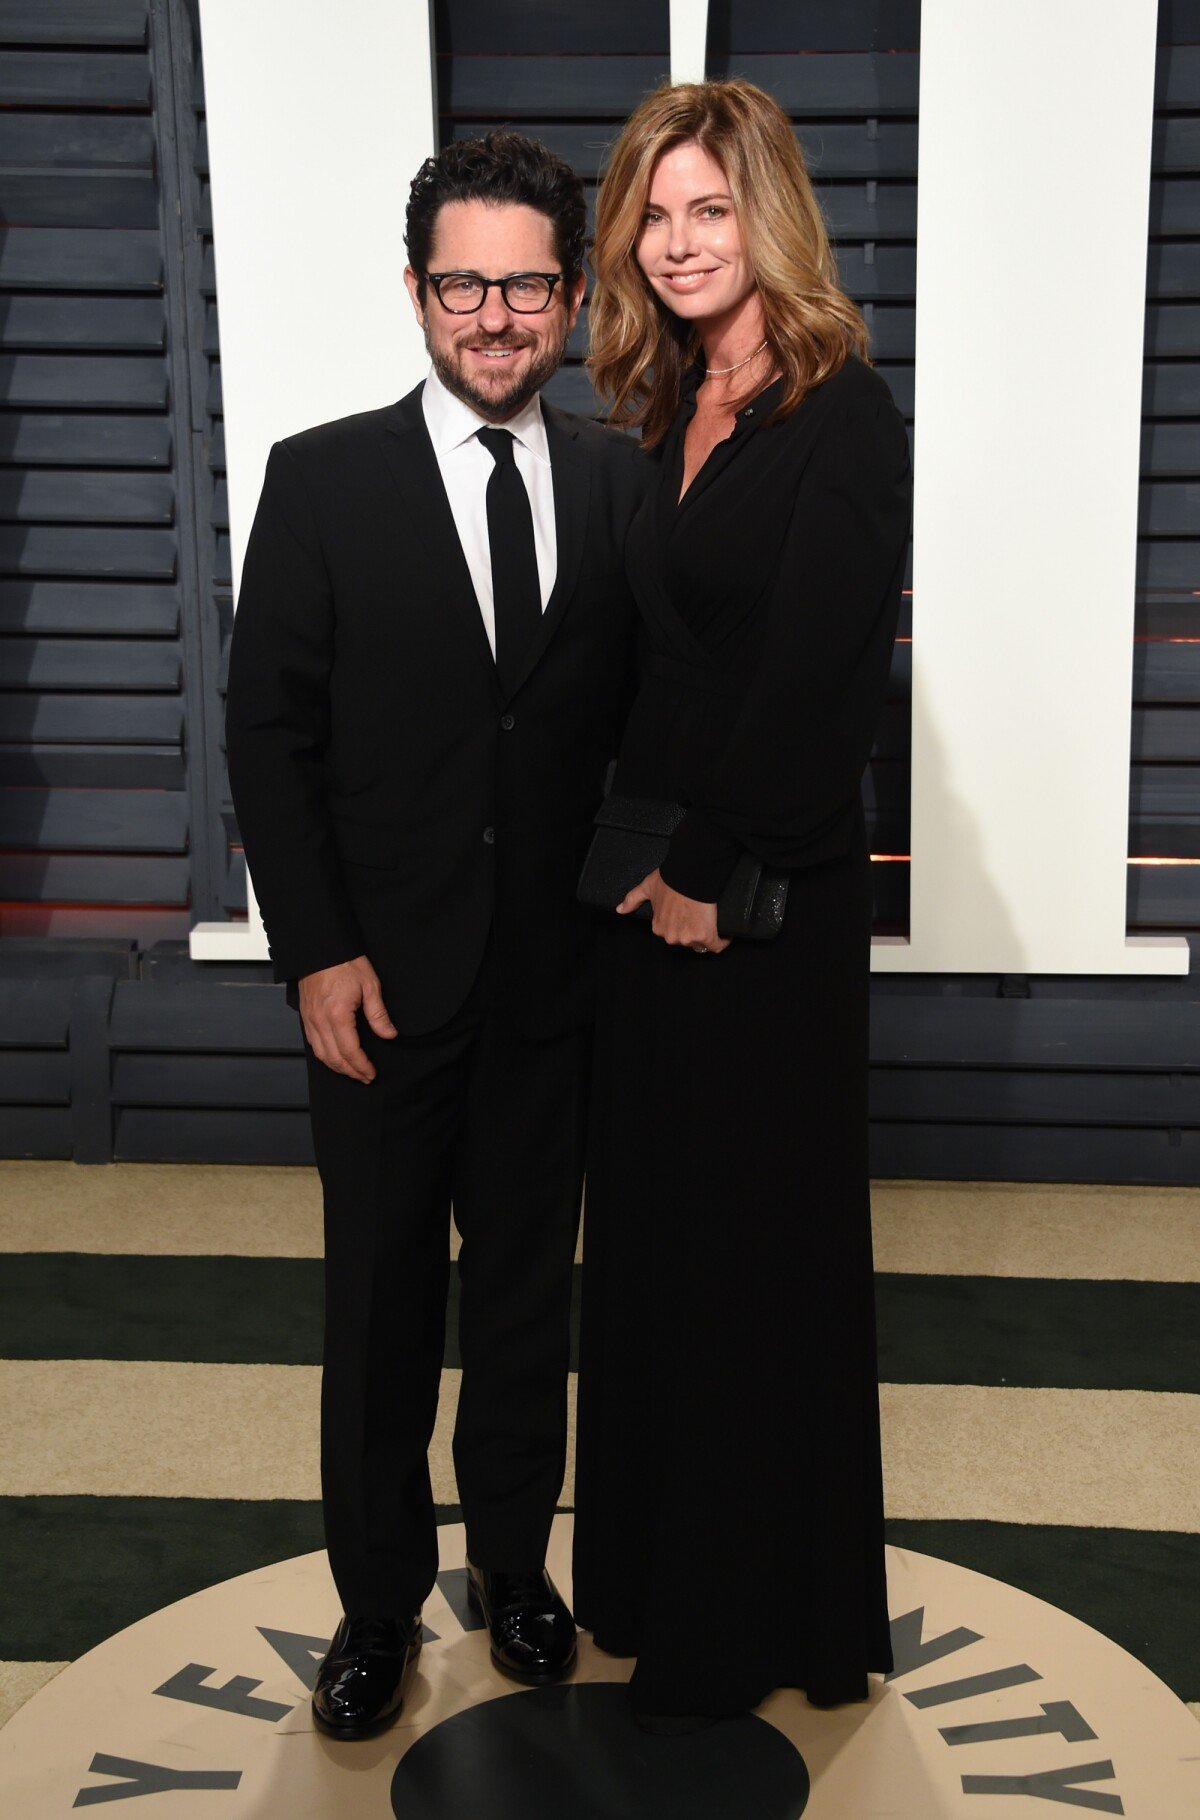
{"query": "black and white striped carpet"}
pixel 158 1396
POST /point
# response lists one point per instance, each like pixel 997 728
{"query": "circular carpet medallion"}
pixel 1000 1706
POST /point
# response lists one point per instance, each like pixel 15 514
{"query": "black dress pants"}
pixel 479 1115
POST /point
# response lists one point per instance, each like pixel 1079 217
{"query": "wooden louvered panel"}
pixel 893 330
pixel 1172 328
pixel 1175 206
pixel 1167 733
pixel 119 609
pixel 1163 793
pixel 1177 78
pixel 1173 270
pixel 193 1135
pixel 745 26
pixel 1168 566
pixel 552 87
pixel 1170 508
pixel 95 821
pixel 831 83
pixel 1177 144
pixel 98 142
pixel 869 211
pixel 80 259
pixel 70 878
pixel 73 79
pixel 82 767
pixel 36 1013
pixel 836 148
pixel 104 441
pixel 35 1080
pixel 48 496
pixel 76 550
pixel 120 382
pixel 1170 448
pixel 1172 388
pixel 244 1081
pixel 57 719
pixel 145 1016
pixel 112 324
pixel 484 27
pixel 877 272
pixel 89 663
pixel 1166 671
pixel 65 198
pixel 1163 897
pixel 73 22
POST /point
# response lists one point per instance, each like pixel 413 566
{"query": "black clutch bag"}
pixel 631 839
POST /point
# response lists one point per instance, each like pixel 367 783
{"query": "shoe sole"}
pixel 544 1677
pixel 349 1734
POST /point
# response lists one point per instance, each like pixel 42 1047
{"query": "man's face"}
pixel 497 358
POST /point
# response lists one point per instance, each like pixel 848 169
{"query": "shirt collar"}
pixel 451 422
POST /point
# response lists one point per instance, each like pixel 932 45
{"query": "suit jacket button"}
pixel 489 835
pixel 508 722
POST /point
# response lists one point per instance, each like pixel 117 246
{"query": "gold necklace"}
pixel 717 372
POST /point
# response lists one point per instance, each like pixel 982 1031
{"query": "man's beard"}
pixel 499 405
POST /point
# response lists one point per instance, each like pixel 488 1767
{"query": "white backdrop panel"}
pixel 1032 227
pixel 318 118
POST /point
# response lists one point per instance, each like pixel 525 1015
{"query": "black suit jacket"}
pixel 391 799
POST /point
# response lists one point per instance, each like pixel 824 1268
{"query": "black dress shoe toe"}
pixel 361 1683
pixel 532 1632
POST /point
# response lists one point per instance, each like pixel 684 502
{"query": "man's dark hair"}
pixel 500 167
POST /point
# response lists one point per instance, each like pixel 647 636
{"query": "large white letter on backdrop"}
pixel 1031 289
pixel 318 117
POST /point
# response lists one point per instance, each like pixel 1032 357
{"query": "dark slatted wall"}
pixel 848 79
pixel 214 563
pixel 103 798
pixel 493 69
pixel 115 590
pixel 1164 822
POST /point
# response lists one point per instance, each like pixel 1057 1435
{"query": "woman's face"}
pixel 690 246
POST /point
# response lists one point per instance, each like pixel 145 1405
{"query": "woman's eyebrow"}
pixel 714 196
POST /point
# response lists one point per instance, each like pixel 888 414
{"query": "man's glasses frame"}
pixel 438 279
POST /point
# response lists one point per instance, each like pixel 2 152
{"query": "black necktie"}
pixel 516 590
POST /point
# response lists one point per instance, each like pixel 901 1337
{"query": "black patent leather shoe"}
pixel 361 1683
pixel 532 1632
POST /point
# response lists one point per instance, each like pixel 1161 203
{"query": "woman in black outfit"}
pixel 729 1527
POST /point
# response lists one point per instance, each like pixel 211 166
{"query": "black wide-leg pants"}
pixel 483 1117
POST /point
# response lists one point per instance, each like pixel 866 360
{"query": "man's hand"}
pixel 679 920
pixel 329 1000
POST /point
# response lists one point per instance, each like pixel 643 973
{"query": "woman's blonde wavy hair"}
pixel 639 349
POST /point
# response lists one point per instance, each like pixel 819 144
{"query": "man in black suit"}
pixel 430 666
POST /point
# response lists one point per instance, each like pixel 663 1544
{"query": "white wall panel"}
pixel 319 116
pixel 1031 262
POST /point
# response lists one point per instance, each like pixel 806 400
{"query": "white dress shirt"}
pixel 466 468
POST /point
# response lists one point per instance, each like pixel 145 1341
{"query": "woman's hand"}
pixel 679 920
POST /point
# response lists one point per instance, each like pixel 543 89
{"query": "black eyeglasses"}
pixel 462 293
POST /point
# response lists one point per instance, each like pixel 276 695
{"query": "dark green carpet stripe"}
pixel 1031 1331
pixel 78 1569
pixel 1139 1587
pixel 209 1310
pixel 1065 1333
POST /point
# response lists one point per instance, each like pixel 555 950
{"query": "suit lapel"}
pixel 410 457
pixel 572 479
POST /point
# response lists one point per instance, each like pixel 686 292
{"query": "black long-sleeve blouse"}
pixel 769 599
